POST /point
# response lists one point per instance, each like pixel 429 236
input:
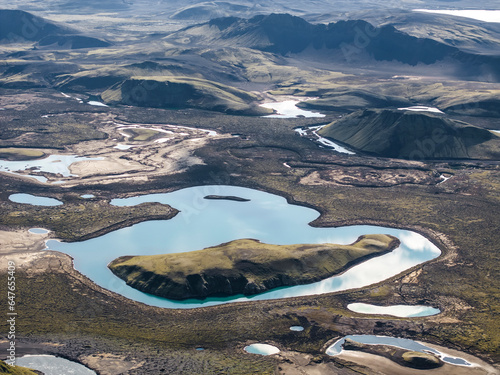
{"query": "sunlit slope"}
pixel 183 92
pixel 15 370
pixel 413 135
pixel 244 267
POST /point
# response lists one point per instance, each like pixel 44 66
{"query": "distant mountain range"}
pixel 343 41
pixel 17 26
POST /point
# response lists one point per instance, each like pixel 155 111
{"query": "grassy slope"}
pixel 261 266
pixel 413 135
pixel 14 370
pixel 12 153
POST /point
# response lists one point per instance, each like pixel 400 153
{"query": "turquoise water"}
pixel 34 200
pixel 261 349
pixel 203 223
pixel 397 342
pixel 38 231
pixel 50 365
pixel 402 311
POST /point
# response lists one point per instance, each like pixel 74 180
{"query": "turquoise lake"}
pixel 203 223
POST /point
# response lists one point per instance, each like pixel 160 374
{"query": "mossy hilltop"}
pixel 244 267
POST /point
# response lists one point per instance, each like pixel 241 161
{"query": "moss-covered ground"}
pixel 459 215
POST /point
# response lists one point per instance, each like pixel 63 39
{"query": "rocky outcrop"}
pixel 244 267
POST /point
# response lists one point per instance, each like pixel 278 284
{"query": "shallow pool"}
pixel 262 349
pixel 34 200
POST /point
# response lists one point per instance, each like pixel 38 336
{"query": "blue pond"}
pixel 397 342
pixel 34 200
pixel 203 223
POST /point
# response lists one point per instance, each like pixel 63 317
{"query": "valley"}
pixel 174 111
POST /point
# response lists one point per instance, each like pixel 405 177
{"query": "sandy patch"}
pixel 111 165
pixel 363 176
pixel 138 159
pixel 15 241
pixel 109 364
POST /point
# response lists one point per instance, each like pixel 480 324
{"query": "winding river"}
pixel 202 223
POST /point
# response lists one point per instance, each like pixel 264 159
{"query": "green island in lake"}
pixel 244 266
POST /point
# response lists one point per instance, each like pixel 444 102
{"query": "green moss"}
pixel 14 370
pixel 13 153
pixel 140 134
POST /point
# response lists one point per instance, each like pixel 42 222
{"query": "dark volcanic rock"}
pixel 227 197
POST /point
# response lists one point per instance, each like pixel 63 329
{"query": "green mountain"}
pixel 183 92
pixel 413 135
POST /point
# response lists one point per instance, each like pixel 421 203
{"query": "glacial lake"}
pixel 203 223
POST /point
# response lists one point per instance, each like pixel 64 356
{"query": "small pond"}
pixel 401 311
pixel 51 365
pixel 262 349
pixel 38 231
pixel 34 200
